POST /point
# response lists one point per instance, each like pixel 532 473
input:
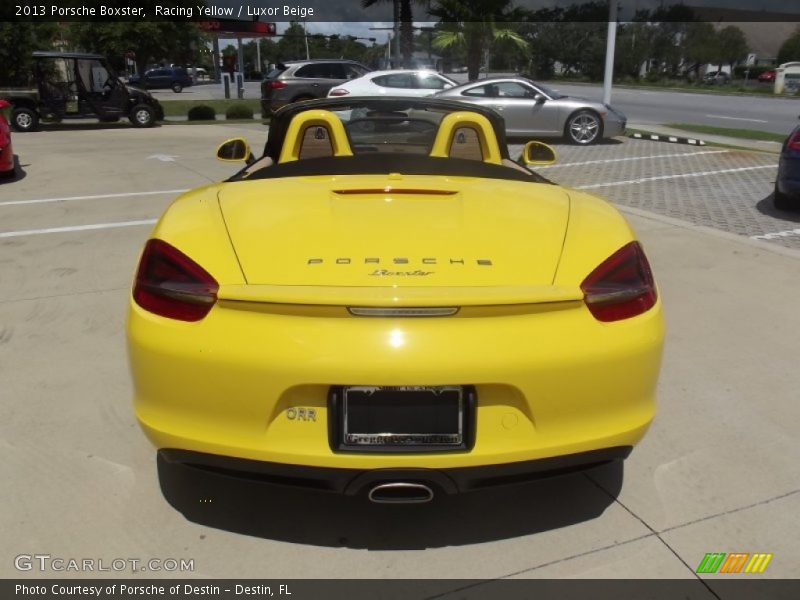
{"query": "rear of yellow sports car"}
pixel 362 333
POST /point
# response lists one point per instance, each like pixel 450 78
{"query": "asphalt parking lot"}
pixel 718 472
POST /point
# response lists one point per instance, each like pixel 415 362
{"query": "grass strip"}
pixel 180 108
pixel 745 134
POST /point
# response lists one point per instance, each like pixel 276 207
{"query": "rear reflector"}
pixel 391 190
pixel 370 311
pixel 621 287
pixel 172 285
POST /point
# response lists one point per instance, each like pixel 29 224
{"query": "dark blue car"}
pixel 787 185
pixel 175 78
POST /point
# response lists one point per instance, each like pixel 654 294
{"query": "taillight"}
pixel 338 92
pixel 171 284
pixel 621 287
pixel 794 141
pixel 276 84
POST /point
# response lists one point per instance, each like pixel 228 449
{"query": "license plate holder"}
pixel 402 418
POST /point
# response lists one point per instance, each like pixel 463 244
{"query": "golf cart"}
pixel 72 85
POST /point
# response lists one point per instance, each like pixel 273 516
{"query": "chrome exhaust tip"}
pixel 400 493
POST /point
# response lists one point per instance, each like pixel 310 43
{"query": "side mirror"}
pixel 235 150
pixel 538 153
pixel 539 98
pixel 447 86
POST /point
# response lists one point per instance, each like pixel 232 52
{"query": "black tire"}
pixel 24 119
pixel 583 128
pixel 781 201
pixel 177 87
pixel 142 115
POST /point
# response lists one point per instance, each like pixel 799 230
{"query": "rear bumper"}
pixel 550 382
pixel 352 482
pixel 788 179
pixel 6 159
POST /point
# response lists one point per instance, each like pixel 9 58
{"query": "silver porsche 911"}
pixel 533 110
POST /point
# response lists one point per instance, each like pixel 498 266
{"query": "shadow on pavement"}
pixel 767 207
pixel 327 519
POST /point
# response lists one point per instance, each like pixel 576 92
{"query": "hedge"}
pixel 239 111
pixel 202 113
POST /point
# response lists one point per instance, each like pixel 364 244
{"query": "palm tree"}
pixel 472 25
pixel 403 14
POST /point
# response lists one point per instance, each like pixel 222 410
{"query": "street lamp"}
pixel 610 43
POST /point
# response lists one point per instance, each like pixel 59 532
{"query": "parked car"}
pixel 394 83
pixel 389 307
pixel 6 152
pixel 534 110
pixel 767 76
pixel 716 78
pixel 70 85
pixel 305 80
pixel 174 78
pixel 787 182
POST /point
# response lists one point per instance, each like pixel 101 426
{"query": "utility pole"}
pixel 610 43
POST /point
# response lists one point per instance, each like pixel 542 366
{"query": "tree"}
pixel 732 45
pixel 574 37
pixel 634 47
pixel 152 41
pixel 472 25
pixel 292 45
pixel 790 49
pixel 405 16
pixel 17 41
pixel 701 45
pixel 671 26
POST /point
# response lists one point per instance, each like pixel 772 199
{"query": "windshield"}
pixel 409 131
pixel 386 135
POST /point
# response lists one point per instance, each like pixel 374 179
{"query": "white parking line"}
pixel 9 234
pixel 614 160
pixel 97 197
pixel 678 176
pixel 737 119
pixel 776 235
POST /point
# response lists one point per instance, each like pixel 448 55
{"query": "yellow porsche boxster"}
pixel 385 304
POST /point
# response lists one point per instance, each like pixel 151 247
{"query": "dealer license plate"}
pixel 413 416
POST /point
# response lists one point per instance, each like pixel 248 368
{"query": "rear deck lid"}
pixel 395 231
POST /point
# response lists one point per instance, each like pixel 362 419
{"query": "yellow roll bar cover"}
pixel 314 118
pixel 482 127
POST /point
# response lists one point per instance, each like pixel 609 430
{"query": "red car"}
pixel 767 77
pixel 6 153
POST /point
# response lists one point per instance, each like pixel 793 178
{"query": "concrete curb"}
pixel 731 237
pixel 667 138
pixel 646 131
